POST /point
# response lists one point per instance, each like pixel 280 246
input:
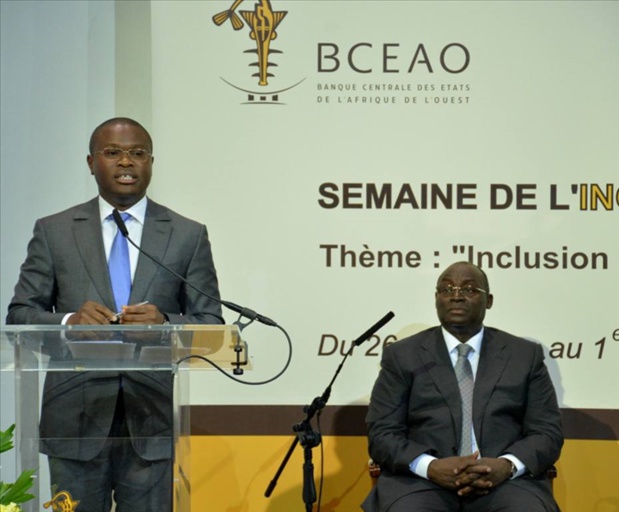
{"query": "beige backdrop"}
pixel 513 105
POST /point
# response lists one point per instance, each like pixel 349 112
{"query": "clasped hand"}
pixel 469 475
pixel 93 313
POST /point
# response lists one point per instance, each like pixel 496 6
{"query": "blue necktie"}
pixel 120 268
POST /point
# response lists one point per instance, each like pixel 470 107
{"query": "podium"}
pixel 60 386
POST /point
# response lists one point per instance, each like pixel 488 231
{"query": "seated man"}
pixel 463 417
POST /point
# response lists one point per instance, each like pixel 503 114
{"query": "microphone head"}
pixel 120 223
pixel 372 330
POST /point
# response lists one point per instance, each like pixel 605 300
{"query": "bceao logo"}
pixel 262 24
pixel 393 73
pixel 401 71
pixel 62 502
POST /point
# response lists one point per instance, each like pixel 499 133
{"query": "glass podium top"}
pixel 112 347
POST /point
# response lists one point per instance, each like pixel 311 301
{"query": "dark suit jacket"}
pixel 65 267
pixel 415 408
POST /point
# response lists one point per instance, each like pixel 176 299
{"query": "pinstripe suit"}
pixel 66 266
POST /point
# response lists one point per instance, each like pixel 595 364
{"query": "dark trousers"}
pixel 504 498
pixel 118 473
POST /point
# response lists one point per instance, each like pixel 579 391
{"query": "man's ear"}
pixel 89 162
pixel 489 301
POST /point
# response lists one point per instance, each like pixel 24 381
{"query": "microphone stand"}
pixel 307 436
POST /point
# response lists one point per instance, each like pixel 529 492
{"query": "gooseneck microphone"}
pixel 243 311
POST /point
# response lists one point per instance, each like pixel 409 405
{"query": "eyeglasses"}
pixel 465 291
pixel 137 154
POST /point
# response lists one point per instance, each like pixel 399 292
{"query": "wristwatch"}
pixel 514 469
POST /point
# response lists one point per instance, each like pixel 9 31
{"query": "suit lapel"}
pixel 492 362
pixel 89 243
pixel 155 240
pixel 437 361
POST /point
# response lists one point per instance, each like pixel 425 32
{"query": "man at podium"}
pixel 108 436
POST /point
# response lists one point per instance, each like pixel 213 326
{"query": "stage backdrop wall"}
pixel 382 142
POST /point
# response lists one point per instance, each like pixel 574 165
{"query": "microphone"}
pixel 306 435
pixel 121 224
pixel 370 332
pixel 364 337
pixel 243 311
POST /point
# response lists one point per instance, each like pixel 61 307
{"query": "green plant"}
pixel 13 494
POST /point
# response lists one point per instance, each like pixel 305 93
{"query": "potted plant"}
pixel 12 495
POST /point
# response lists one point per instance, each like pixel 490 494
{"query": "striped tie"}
pixel 464 374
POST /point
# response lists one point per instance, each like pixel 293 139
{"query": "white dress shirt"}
pixel 420 465
pixel 135 226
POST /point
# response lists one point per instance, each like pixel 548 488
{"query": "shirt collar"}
pixel 137 211
pixel 452 342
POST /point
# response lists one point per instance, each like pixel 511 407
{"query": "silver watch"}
pixel 514 469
